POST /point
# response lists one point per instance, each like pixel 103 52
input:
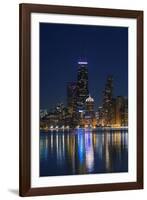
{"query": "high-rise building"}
pixel 108 108
pixel 71 97
pixel 89 115
pixel 125 117
pixel 89 107
pixel 99 116
pixel 82 85
pixel 121 111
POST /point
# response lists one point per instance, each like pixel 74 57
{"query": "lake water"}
pixel 83 152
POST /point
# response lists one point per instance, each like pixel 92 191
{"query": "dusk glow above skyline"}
pixel 63 47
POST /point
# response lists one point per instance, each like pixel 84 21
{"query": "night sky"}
pixel 61 46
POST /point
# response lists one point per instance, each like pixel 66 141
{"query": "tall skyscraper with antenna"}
pixel 82 84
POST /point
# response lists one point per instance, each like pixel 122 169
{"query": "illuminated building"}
pixel 89 116
pixel 43 113
pixel 119 103
pixel 72 104
pixel 89 107
pixel 125 113
pixel 71 97
pixel 108 104
pixel 79 111
pixel 82 85
pixel 114 111
pixel 121 111
pixel 49 120
pixel 99 116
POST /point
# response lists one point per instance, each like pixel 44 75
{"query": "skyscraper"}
pixel 125 115
pixel 89 115
pixel 71 96
pixel 108 108
pixel 89 107
pixel 121 111
pixel 82 85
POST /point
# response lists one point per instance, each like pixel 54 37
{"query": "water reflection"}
pixel 83 152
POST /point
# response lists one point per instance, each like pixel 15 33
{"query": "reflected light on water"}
pixel 107 152
pixel 52 142
pixel 81 148
pixel 83 151
pixel 89 151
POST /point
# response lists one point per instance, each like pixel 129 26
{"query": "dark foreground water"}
pixel 83 152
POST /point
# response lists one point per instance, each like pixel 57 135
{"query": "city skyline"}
pixel 79 109
pixel 83 99
pixel 57 69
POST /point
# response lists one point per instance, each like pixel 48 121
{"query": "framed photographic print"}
pixel 81 99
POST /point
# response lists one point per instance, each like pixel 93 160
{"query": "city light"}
pixel 80 110
pixel 82 63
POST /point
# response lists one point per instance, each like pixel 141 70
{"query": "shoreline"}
pixel 85 129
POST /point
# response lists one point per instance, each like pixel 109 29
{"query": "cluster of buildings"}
pixel 114 110
pixel 80 109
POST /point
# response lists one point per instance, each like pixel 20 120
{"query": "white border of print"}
pixel 37 181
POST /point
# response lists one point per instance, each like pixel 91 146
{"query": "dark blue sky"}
pixel 61 46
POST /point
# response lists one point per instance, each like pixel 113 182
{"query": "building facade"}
pixel 72 97
pixel 108 101
pixel 82 85
pixel 80 112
